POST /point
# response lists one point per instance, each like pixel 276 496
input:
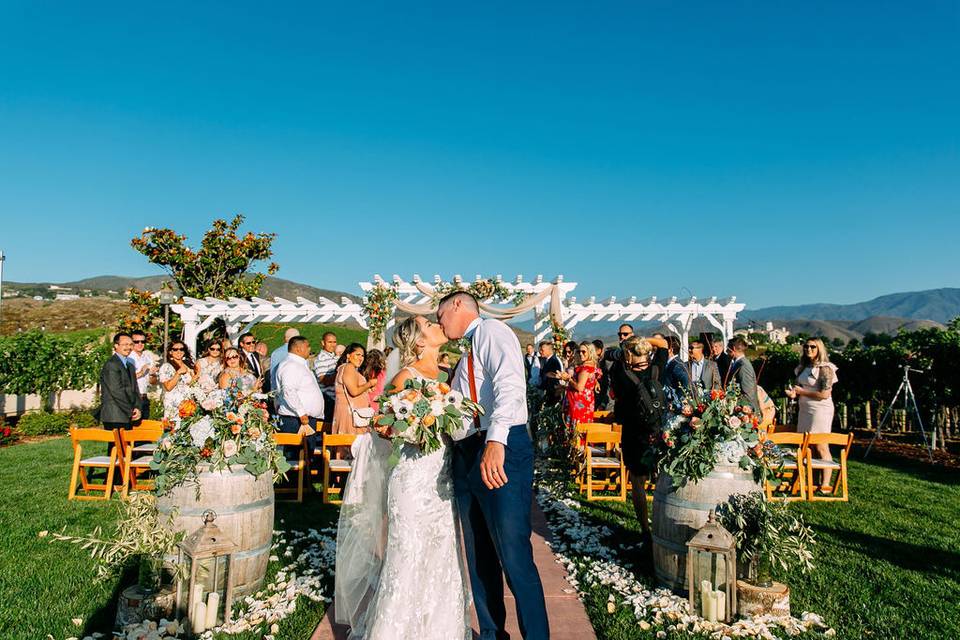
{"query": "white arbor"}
pixel 549 303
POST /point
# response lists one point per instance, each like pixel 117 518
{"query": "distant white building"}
pixel 55 287
pixel 774 335
pixel 66 296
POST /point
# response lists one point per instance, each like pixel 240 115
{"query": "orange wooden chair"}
pixel 610 465
pixel 148 447
pixel 792 479
pixel 298 466
pixel 334 468
pixel 839 468
pixel 82 466
pixel 135 457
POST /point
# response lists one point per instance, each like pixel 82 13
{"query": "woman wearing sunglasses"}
pixel 211 364
pixel 236 373
pixel 816 376
pixel 176 374
pixel 582 384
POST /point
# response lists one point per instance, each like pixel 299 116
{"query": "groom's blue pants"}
pixel 496 536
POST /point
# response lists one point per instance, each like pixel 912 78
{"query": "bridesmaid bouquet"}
pixel 421 413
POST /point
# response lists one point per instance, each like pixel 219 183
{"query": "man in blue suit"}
pixel 675 378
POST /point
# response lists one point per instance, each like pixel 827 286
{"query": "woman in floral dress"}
pixel 582 385
pixel 176 374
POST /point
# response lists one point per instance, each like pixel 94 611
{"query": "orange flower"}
pixel 412 395
pixel 253 432
pixel 444 388
pixel 235 428
pixel 428 420
pixel 187 408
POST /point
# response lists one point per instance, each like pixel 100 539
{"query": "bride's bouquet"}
pixel 422 413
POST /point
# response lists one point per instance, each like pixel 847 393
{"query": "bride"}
pixel 399 572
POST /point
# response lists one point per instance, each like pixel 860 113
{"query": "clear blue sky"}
pixel 783 152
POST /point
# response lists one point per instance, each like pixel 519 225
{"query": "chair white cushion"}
pixel 96 461
pixel 145 448
pixel 604 462
pixel 597 451
pixel 143 461
pixel 824 464
pixel 341 465
pixel 790 466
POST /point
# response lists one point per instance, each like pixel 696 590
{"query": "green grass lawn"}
pixel 888 561
pixel 44 585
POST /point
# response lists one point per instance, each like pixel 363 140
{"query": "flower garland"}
pixel 489 289
pixel 561 335
pixel 592 564
pixel 378 308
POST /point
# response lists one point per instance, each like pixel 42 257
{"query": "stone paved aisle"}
pixel 568 619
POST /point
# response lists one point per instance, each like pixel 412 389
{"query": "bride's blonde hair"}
pixel 406 334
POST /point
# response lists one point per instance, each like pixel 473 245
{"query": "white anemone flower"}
pixel 453 397
pixel 200 431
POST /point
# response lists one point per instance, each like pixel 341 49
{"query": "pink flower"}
pixel 695 422
pixel 734 422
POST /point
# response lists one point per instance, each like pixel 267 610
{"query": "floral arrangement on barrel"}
pixel 219 428
pixel 768 534
pixel 711 425
pixel 421 414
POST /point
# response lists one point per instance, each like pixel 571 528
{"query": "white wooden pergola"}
pixel 240 315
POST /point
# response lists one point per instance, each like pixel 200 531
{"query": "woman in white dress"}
pixel 816 376
pixel 211 363
pixel 402 576
pixel 175 375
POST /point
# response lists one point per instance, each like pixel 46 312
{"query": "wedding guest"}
pixel 325 368
pixel 375 368
pixel 236 372
pixel 264 352
pixel 702 371
pixel 300 400
pixel 638 405
pixel 529 357
pixel 352 389
pixel 582 384
pixel 816 376
pixel 603 380
pixel 535 363
pixel 278 356
pixel 443 362
pixel 119 394
pixel 247 344
pixel 659 356
pixel 550 373
pixel 570 355
pixel 176 374
pixel 211 363
pixel 145 363
pixel 741 371
pixel 719 355
pixel 675 378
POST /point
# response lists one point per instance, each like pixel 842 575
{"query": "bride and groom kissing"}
pixel 399 568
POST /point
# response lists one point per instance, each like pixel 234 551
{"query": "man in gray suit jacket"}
pixel 119 394
pixel 701 369
pixel 741 371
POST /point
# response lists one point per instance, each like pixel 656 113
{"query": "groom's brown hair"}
pixel 464 296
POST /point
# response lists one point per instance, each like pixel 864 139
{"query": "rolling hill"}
pixel 939 305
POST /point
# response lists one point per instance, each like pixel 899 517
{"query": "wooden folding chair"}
pixel 82 465
pixel 605 417
pixel 839 468
pixel 334 468
pixel 582 429
pixel 299 466
pixel 148 447
pixel 315 457
pixel 610 464
pixel 792 478
pixel 135 458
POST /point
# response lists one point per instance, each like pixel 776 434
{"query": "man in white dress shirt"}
pixel 493 471
pixel 299 401
pixel 145 363
pixel 277 357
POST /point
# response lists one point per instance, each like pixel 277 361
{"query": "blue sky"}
pixel 783 152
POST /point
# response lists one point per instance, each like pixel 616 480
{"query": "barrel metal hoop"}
pixel 674 501
pixel 241 508
pixel 669 544
pixel 243 555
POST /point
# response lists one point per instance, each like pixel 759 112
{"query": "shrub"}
pixel 7 435
pixel 41 423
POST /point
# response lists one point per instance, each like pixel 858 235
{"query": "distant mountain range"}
pixel 886 314
pixel 939 305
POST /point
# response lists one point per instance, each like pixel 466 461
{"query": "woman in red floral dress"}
pixel 581 386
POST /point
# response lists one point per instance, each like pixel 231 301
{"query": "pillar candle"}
pixel 705 589
pixel 213 604
pixel 199 622
pixel 711 606
pixel 721 605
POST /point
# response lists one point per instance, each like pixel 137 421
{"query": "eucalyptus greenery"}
pixel 768 531
pixel 140 534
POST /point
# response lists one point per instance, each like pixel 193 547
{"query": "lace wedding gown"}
pixel 419 590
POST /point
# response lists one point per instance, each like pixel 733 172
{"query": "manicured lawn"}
pixel 44 585
pixel 888 561
pixel 272 334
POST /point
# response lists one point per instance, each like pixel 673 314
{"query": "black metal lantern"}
pixel 712 572
pixel 205 590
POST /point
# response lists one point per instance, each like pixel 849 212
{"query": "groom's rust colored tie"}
pixel 473 386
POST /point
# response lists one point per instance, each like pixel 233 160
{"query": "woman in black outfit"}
pixel 638 407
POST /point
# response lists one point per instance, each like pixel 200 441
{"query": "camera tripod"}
pixel 909 401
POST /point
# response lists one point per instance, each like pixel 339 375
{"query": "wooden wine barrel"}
pixel 679 512
pixel 244 507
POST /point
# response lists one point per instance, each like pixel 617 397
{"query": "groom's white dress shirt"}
pixel 500 379
pixel 298 394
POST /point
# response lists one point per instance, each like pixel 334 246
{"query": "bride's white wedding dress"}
pixel 414 585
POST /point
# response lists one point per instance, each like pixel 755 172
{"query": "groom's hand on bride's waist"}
pixel 491 465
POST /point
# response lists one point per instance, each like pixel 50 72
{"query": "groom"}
pixel 493 471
